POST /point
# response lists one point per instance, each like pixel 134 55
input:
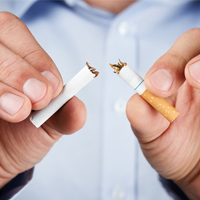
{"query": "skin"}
pixel 172 149
pixel 114 6
pixel 21 144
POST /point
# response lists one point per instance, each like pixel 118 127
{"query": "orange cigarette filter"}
pixel 137 83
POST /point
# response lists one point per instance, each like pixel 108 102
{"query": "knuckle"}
pixel 39 59
pixel 30 54
pixel 4 16
pixel 8 66
pixel 176 58
pixel 194 32
pixel 8 20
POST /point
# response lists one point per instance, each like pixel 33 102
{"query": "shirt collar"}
pixel 70 2
pixel 19 7
pixel 170 1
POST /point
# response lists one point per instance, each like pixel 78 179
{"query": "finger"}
pixel 18 74
pixel 69 119
pixel 192 72
pixel 14 106
pixel 145 120
pixel 15 35
pixel 167 74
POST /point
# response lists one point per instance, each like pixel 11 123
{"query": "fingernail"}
pixel 195 71
pixel 34 89
pixel 51 78
pixel 161 79
pixel 11 103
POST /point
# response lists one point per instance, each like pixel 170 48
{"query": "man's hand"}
pixel 28 80
pixel 173 149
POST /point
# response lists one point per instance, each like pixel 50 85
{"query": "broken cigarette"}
pixel 81 79
pixel 137 83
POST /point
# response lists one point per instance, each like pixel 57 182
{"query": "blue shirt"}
pixel 103 160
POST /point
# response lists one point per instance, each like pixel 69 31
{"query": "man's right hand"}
pixel 29 80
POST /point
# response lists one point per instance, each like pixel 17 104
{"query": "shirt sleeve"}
pixel 15 185
pixel 172 189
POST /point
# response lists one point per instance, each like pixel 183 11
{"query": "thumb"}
pixel 146 122
pixel 69 119
pixel 167 74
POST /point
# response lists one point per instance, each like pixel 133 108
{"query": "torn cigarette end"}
pixel 137 83
pixel 118 67
pixel 92 69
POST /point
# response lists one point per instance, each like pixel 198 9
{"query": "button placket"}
pixel 123 28
pixel 118 193
pixel 119 156
pixel 120 106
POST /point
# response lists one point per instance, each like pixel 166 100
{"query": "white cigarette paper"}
pixel 81 79
pixel 137 83
pixel 133 79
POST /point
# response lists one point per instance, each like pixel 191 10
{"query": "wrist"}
pixel 190 186
pixel 4 181
pixel 5 177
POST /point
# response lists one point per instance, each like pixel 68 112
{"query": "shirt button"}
pixel 120 106
pixel 118 193
pixel 70 2
pixel 123 28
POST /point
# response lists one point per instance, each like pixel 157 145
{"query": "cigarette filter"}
pixel 81 79
pixel 137 83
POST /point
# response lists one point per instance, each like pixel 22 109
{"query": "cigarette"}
pixel 81 79
pixel 137 83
